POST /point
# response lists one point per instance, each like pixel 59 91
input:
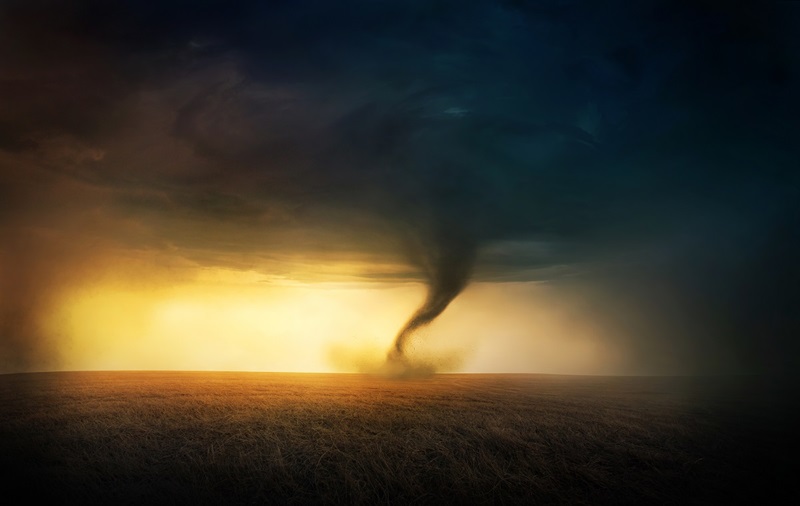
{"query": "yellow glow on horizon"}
pixel 232 323
pixel 233 320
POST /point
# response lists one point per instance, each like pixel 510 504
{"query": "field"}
pixel 260 438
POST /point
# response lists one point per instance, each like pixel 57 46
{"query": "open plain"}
pixel 273 438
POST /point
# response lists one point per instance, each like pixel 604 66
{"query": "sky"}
pixel 556 186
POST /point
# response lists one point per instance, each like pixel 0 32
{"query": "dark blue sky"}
pixel 641 155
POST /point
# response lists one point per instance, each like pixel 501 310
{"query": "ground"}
pixel 262 438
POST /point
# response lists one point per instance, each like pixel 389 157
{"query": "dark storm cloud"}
pixel 505 140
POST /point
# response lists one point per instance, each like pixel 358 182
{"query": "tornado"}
pixel 446 264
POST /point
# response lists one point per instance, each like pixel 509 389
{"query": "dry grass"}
pixel 248 438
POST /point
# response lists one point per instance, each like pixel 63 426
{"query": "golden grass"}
pixel 253 438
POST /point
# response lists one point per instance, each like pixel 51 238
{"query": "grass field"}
pixel 258 438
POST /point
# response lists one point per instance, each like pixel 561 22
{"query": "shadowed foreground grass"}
pixel 252 438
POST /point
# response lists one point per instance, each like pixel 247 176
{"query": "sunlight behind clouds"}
pixel 232 320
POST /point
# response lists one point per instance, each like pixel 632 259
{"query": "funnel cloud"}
pixel 447 267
